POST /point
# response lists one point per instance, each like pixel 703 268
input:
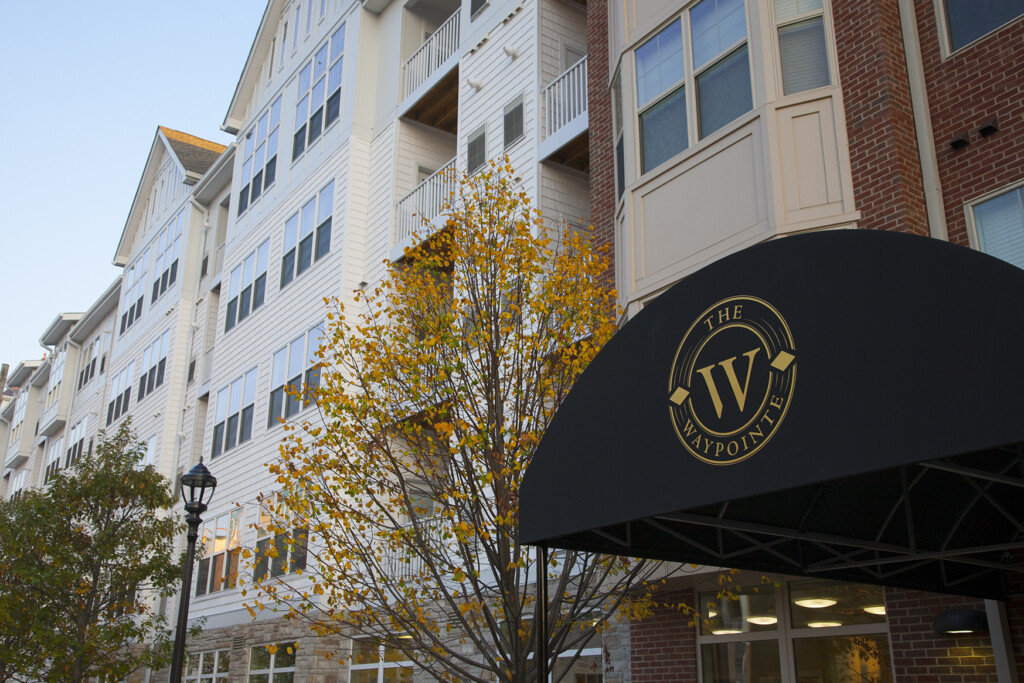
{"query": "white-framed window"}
pixel 476 150
pixel 235 406
pixel 89 358
pixel 803 53
pixel 307 234
pixel 218 568
pixel 18 483
pixel 513 122
pixel 20 405
pixel 802 627
pixel 133 292
pixel 168 249
pixel 248 286
pixel 76 442
pixel 284 42
pixel 968 20
pixel 373 662
pixel 617 134
pixel 154 361
pixel 56 375
pixel 208 667
pixel 319 83
pixel 54 451
pixel 997 225
pixel 703 52
pixel 294 362
pixel 273 663
pixel 120 393
pixel 259 168
pixel 150 457
pixel 476 7
pixel 286 537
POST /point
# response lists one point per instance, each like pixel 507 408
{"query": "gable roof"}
pixel 193 155
pixel 235 116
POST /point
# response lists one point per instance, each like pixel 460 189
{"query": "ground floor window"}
pixel 376 663
pixel 809 631
pixel 208 667
pixel 272 663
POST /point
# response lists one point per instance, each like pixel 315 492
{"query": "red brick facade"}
pixel 663 647
pixel 919 655
pixel 884 158
pixel 977 83
pixel 599 119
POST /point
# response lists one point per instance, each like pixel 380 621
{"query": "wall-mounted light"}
pixel 961 141
pixel 960 620
pixel 989 127
pixel 511 52
pixel 475 85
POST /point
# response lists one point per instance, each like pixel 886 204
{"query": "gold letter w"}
pixel 734 382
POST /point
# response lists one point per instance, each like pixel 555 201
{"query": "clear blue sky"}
pixel 84 86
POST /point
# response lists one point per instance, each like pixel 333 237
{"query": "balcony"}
pixel 565 136
pixel 425 202
pixel 432 56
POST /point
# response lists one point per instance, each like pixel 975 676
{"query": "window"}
pixel 279 552
pixel 814 628
pixel 375 663
pixel 320 78
pixel 620 152
pixel 307 235
pixel 295 36
pixel 56 375
pixel 20 404
pixel 208 667
pixel 19 482
pixel 272 667
pixel 248 287
pixel 168 248
pixel 476 150
pixel 999 226
pixel 76 442
pixel 218 568
pixel 259 170
pixel 475 7
pixel 54 450
pixel 120 393
pixel 286 379
pixel 235 405
pixel 154 360
pixel 719 75
pixel 969 20
pixel 513 121
pixel 132 287
pixel 88 370
pixel 804 58
pixel 284 41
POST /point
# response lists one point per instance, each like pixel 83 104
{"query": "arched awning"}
pixel 845 404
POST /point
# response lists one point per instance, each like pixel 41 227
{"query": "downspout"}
pixel 922 122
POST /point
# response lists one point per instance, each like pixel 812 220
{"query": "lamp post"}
pixel 197 487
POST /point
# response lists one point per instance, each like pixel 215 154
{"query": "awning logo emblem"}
pixel 732 380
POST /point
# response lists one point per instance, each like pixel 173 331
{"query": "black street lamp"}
pixel 196 490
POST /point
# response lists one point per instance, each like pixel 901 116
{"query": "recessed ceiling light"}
pixel 875 609
pixel 726 631
pixel 762 621
pixel 824 624
pixel 815 603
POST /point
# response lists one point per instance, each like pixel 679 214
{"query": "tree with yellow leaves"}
pixel 403 491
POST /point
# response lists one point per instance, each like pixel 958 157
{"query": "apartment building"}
pixel 716 125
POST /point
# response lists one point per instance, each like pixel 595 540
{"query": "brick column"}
pixel 663 647
pixel 599 116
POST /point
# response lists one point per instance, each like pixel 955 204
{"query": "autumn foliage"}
pixel 433 395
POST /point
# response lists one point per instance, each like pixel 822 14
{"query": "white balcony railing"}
pixel 441 45
pixel 565 98
pixel 424 202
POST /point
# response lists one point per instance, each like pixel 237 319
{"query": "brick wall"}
pixel 663 647
pixel 599 116
pixel 884 158
pixel 919 655
pixel 977 83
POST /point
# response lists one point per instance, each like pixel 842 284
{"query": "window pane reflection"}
pixel 823 604
pixel 751 609
pixel 746 662
pixel 843 659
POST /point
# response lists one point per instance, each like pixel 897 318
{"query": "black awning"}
pixel 846 404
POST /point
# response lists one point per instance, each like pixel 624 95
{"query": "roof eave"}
pixel 234 119
pixel 59 328
pixel 106 303
pixel 216 178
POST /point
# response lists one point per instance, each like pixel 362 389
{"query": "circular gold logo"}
pixel 732 380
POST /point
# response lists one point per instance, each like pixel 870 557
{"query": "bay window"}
pixel 802 48
pixel 288 392
pixel 235 406
pixel 154 361
pixel 259 168
pixel 218 568
pixel 319 81
pixel 307 234
pixel 247 286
